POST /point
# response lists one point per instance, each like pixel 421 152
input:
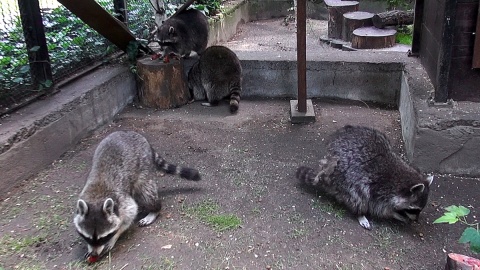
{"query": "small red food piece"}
pixel 92 259
pixel 166 59
pixel 156 56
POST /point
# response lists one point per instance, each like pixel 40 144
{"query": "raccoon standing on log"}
pixel 183 33
pixel 217 75
pixel 362 172
pixel 120 184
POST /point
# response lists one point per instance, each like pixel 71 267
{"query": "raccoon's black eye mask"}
pixel 165 43
pixel 98 242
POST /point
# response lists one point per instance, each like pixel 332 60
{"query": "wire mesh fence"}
pixel 71 45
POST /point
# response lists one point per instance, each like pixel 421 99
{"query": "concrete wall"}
pixel 38 134
pixel 268 74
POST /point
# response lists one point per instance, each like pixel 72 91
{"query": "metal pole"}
pixel 302 55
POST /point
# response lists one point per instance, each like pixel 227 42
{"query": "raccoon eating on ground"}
pixel 183 33
pixel 362 172
pixel 121 184
pixel 217 75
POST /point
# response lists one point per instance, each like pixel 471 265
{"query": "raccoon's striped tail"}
pixel 183 172
pixel 234 101
pixel 307 175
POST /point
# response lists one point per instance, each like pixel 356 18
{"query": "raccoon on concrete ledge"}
pixel 120 184
pixel 362 172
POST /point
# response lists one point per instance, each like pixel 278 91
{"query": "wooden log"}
pixel 373 38
pixel 336 9
pixel 354 20
pixel 461 262
pixel 393 17
pixel 161 85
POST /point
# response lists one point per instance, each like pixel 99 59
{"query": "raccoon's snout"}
pixel 412 214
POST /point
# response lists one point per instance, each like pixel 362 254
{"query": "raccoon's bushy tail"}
pixel 307 175
pixel 234 100
pixel 183 172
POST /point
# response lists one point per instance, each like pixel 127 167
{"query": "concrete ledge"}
pixel 34 136
pixel 438 139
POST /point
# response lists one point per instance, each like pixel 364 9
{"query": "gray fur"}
pixel 121 184
pixel 362 172
pixel 183 33
pixel 217 75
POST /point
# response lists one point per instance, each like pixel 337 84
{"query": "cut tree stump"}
pixel 336 9
pixel 393 17
pixel 161 85
pixel 461 262
pixel 373 38
pixel 354 20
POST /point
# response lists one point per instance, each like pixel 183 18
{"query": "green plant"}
pixel 404 35
pixel 471 234
pixel 207 212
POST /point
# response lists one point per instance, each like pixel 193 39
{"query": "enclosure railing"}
pixel 42 43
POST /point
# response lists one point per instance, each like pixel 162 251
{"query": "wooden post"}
pixel 476 46
pixel 36 42
pixel 445 53
pixel 161 85
pixel 417 27
pixel 120 9
pixel 302 55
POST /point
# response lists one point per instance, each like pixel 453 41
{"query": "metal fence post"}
pixel 33 30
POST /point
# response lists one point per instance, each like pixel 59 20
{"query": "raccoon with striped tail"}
pixel 216 75
pixel 362 172
pixel 121 184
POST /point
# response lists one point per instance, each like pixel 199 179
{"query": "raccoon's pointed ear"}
pixel 171 30
pixel 430 179
pixel 82 207
pixel 108 206
pixel 418 188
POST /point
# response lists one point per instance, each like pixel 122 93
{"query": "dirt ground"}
pixel 247 162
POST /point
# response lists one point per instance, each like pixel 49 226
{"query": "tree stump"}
pixel 373 38
pixel 354 20
pixel 393 17
pixel 461 262
pixel 336 9
pixel 161 85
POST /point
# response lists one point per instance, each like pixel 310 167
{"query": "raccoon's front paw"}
pixel 364 222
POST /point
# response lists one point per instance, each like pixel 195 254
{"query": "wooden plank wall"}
pixel 431 36
pixel 476 49
pixel 464 81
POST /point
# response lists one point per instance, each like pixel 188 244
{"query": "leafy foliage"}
pixel 471 234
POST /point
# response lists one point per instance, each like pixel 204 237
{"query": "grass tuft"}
pixel 208 210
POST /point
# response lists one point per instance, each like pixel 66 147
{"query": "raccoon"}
pixel 183 33
pixel 216 75
pixel 120 185
pixel 362 172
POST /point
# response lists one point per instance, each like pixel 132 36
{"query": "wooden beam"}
pixel 99 19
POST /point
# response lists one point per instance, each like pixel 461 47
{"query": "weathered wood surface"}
pixel 373 38
pixel 336 9
pixel 354 20
pixel 161 85
pixel 393 17
pixel 461 262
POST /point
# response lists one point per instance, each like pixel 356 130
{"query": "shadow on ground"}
pixel 248 162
